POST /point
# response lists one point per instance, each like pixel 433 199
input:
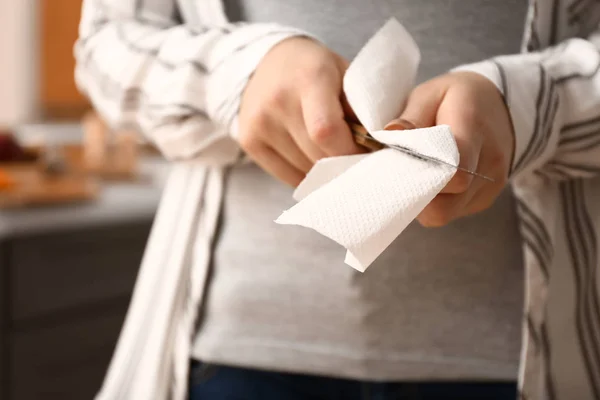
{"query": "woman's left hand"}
pixel 474 109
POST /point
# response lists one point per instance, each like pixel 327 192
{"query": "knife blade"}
pixel 363 138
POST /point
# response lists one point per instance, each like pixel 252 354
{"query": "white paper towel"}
pixel 364 202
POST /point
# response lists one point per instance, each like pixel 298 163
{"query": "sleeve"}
pixel 553 97
pixel 179 84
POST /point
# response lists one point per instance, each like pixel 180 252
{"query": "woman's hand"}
pixel 291 113
pixel 482 127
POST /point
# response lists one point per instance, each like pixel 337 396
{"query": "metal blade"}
pixel 363 138
pixel 425 157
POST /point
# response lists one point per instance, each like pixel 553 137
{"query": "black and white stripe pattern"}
pixel 163 62
pixel 581 240
pixel 548 379
pixel 536 237
pixel 571 169
pixel 546 108
pixel 581 137
pixel 159 87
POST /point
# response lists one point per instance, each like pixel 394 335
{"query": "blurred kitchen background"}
pixel 76 205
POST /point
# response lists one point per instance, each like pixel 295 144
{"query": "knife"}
pixel 364 139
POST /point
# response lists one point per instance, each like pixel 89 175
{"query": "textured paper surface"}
pixel 364 202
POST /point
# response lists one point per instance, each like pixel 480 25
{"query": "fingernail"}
pixel 399 124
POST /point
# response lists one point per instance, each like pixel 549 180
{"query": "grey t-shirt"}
pixel 438 303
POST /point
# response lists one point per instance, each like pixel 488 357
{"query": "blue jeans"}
pixel 211 382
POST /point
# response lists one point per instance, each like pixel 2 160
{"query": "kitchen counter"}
pixel 117 203
pixel 66 277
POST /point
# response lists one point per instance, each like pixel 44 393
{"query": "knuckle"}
pixel 313 70
pixel 422 88
pixel 481 206
pixel 250 140
pixel 419 92
pixel 470 112
pixel 428 87
pixel 469 117
pixel 440 220
pixel 435 217
pixel 257 120
pixel 498 162
pixel 322 131
pixel 316 72
pixel 249 143
pixel 461 182
pixel 276 99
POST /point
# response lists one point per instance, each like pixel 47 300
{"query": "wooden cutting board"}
pixel 108 171
pixel 34 188
pixel 74 156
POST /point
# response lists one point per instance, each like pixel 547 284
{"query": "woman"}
pixel 282 318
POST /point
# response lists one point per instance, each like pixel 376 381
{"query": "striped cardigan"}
pixel 175 69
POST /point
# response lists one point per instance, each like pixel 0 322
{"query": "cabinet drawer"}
pixel 66 361
pixel 52 273
pixel 3 322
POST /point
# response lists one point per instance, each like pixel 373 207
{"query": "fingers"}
pixel 297 129
pixel 422 105
pixel 480 201
pixel 447 207
pixel 272 148
pixel 426 107
pixel 349 113
pixel 469 149
pixel 461 181
pixel 273 163
pixel 285 145
pixel 484 193
pixel 464 103
pixel 399 124
pixel 324 121
pixel 468 133
pixel 442 210
pixel 291 113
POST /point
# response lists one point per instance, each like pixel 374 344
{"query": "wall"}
pixel 59 23
pixel 18 61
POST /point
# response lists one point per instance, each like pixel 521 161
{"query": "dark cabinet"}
pixel 63 299
pixel 66 360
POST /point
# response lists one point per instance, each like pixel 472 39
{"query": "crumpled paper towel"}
pixel 363 202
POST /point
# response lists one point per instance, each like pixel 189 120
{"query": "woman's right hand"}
pixel 292 113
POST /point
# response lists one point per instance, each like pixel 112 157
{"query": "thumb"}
pixel 399 124
pixel 421 108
